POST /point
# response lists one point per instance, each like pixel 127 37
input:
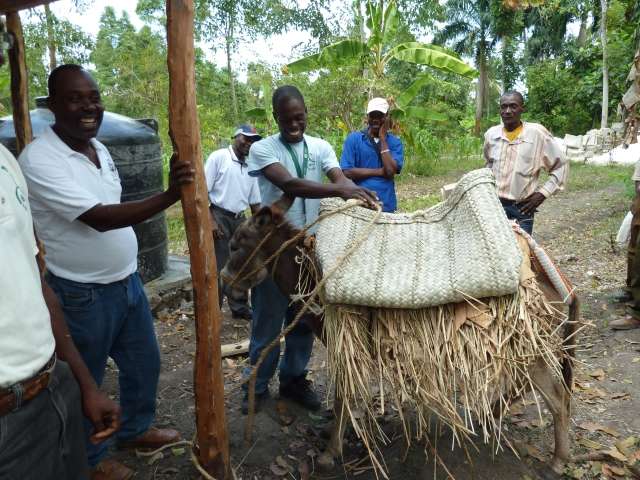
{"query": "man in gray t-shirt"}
pixel 294 164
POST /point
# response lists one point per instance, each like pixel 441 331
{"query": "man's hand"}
pixel 351 190
pixel 180 173
pixel 384 128
pixel 533 201
pixel 102 412
pixel 215 228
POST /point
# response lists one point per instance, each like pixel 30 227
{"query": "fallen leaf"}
pixel 593 427
pixel 613 471
pixel 635 360
pixel 626 445
pixel 590 444
pixel 283 463
pixel 615 453
pixel 621 396
pixel 575 472
pixel 177 451
pixel 278 470
pixel 626 380
pixel 312 453
pixel 534 452
pixel 598 374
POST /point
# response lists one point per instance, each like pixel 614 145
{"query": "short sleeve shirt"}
pixel 359 152
pixel 26 339
pixel 228 181
pixel 271 150
pixel 64 184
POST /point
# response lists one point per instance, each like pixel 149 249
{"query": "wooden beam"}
pixel 212 445
pixel 7 6
pixel 19 84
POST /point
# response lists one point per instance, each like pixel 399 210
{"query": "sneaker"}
pixel 300 391
pixel 626 323
pixel 260 399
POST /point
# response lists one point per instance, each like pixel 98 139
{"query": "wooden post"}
pixel 212 447
pixel 19 85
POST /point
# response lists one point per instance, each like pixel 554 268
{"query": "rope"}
pixel 347 205
pixel 311 296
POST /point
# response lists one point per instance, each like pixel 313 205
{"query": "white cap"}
pixel 377 105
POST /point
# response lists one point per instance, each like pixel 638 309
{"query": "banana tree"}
pixel 375 53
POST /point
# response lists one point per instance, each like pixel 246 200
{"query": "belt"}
pixel 507 202
pixel 228 213
pixel 15 396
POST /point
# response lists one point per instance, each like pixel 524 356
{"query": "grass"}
pixel 590 177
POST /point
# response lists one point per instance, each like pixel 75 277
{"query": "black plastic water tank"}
pixel 136 150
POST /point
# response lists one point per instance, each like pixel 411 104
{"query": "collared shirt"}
pixel 517 164
pixel 359 152
pixel 26 339
pixel 64 184
pixel 636 172
pixel 228 181
pixel 271 150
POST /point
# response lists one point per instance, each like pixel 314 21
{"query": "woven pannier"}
pixel 463 247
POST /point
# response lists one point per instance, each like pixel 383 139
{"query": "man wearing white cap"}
pixel 231 192
pixel 373 156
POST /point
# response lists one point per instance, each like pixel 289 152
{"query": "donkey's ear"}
pixel 283 204
pixel 263 217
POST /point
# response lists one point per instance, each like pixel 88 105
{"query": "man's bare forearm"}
pixel 363 173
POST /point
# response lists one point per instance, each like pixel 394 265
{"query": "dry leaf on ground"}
pixel 593 427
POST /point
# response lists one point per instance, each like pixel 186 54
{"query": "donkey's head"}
pixel 251 246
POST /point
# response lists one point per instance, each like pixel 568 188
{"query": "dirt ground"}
pixel 576 228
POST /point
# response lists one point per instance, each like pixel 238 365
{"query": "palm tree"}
pixel 470 31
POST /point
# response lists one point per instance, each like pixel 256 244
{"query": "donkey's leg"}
pixel 327 459
pixel 558 400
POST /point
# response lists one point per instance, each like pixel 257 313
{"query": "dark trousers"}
pixel 44 438
pixel 633 260
pixel 114 320
pixel 228 224
pixel 513 212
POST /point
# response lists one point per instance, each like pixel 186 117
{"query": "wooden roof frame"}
pixel 211 446
pixel 8 6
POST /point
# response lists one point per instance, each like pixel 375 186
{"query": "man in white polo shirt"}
pixel 74 190
pixel 41 425
pixel 292 163
pixel 231 192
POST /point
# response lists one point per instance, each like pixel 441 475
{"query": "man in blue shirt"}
pixel 372 157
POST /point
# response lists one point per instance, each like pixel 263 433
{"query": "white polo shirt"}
pixel 228 181
pixel 64 184
pixel 26 339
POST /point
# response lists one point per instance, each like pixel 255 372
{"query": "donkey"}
pixel 261 236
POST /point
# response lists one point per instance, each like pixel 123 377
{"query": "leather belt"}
pixel 15 396
pixel 228 213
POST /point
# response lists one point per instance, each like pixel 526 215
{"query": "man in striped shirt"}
pixel 516 152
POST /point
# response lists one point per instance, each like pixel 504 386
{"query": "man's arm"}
pixel 103 412
pixel 110 217
pixel 362 173
pixel 389 165
pixel 341 186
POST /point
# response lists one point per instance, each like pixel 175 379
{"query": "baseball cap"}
pixel 377 105
pixel 247 130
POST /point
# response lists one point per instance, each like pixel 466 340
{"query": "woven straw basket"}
pixel 463 247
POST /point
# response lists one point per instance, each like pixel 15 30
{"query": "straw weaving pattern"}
pixel 463 247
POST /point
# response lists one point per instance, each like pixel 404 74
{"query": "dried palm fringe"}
pixel 420 359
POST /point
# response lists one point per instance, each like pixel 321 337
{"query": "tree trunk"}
pixel 480 92
pixel 605 66
pixel 582 33
pixel 19 83
pixel 232 81
pixel 51 38
pixel 212 442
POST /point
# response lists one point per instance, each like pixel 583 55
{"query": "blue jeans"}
pixel 514 213
pixel 114 320
pixel 270 311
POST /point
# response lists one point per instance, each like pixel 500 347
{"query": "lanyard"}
pixel 302 172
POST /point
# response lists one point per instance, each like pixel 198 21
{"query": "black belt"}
pixel 228 213
pixel 507 202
